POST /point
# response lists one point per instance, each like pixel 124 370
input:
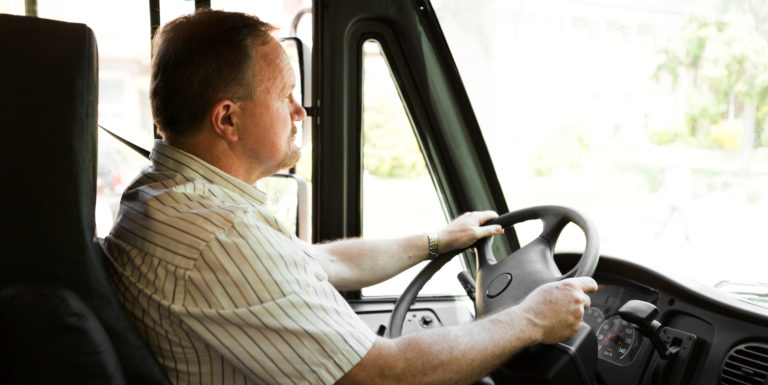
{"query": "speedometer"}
pixel 594 318
pixel 616 339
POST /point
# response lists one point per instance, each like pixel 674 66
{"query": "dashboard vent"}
pixel 746 364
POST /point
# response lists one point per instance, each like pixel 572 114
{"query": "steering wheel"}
pixel 502 284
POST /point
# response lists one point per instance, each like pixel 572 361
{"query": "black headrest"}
pixel 48 112
pixel 48 120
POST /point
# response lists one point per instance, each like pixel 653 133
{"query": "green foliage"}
pixel 703 109
pixel 727 58
pixel 663 137
pixel 390 149
pixel 390 146
pixel 685 50
pixel 386 154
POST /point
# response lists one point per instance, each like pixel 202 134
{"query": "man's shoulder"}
pixel 171 189
pixel 170 211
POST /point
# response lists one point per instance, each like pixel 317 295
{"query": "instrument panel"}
pixel 618 342
pixel 723 326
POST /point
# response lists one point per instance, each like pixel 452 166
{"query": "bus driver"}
pixel 224 293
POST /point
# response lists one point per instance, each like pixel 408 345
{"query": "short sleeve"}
pixel 260 301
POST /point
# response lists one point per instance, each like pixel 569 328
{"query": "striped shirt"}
pixel 221 290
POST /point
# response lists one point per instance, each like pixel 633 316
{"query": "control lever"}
pixel 676 348
pixel 467 283
pixel 643 315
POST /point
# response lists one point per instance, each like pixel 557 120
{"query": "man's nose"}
pixel 299 113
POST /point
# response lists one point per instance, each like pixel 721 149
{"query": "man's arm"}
pixel 462 354
pixel 356 263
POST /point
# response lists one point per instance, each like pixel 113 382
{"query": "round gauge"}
pixel 594 318
pixel 615 339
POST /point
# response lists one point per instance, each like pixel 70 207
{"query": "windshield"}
pixel 647 116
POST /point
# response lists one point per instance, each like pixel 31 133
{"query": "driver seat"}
pixel 60 321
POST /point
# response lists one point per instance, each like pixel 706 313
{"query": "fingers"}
pixel 587 301
pixel 467 229
pixel 476 220
pixel 487 231
pixel 586 284
pixel 476 217
pixel 484 216
pixel 580 287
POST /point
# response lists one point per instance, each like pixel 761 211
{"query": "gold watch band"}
pixel 434 245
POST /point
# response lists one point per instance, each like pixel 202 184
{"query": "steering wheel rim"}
pixel 499 285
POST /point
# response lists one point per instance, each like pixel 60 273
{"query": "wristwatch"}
pixel 434 243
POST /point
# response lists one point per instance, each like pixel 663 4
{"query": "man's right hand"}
pixel 555 310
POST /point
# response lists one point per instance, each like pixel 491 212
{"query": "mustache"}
pixel 294 130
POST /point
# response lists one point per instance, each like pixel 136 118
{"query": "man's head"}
pixel 221 77
pixel 199 59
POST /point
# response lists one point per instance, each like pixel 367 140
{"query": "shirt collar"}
pixel 167 157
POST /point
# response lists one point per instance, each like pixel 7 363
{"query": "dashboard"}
pixel 721 339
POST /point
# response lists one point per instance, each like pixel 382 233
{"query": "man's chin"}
pixel 291 159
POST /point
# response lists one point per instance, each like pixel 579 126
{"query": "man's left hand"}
pixel 465 230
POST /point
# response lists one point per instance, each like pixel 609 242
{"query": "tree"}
pixel 727 57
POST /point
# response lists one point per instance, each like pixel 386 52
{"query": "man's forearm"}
pixel 452 355
pixel 356 263
pixel 462 354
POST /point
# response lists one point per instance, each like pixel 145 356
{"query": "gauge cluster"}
pixel 618 342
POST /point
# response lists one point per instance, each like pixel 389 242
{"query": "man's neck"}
pixel 218 153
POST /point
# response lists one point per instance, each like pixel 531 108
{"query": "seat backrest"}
pixel 48 122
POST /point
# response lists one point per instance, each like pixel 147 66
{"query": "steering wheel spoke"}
pixel 553 226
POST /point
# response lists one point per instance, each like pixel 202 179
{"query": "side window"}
pixel 399 197
pixel 13 7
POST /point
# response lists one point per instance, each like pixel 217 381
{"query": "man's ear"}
pixel 224 118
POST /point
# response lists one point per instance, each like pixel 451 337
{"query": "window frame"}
pixel 435 100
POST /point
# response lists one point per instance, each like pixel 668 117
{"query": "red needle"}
pixel 606 339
